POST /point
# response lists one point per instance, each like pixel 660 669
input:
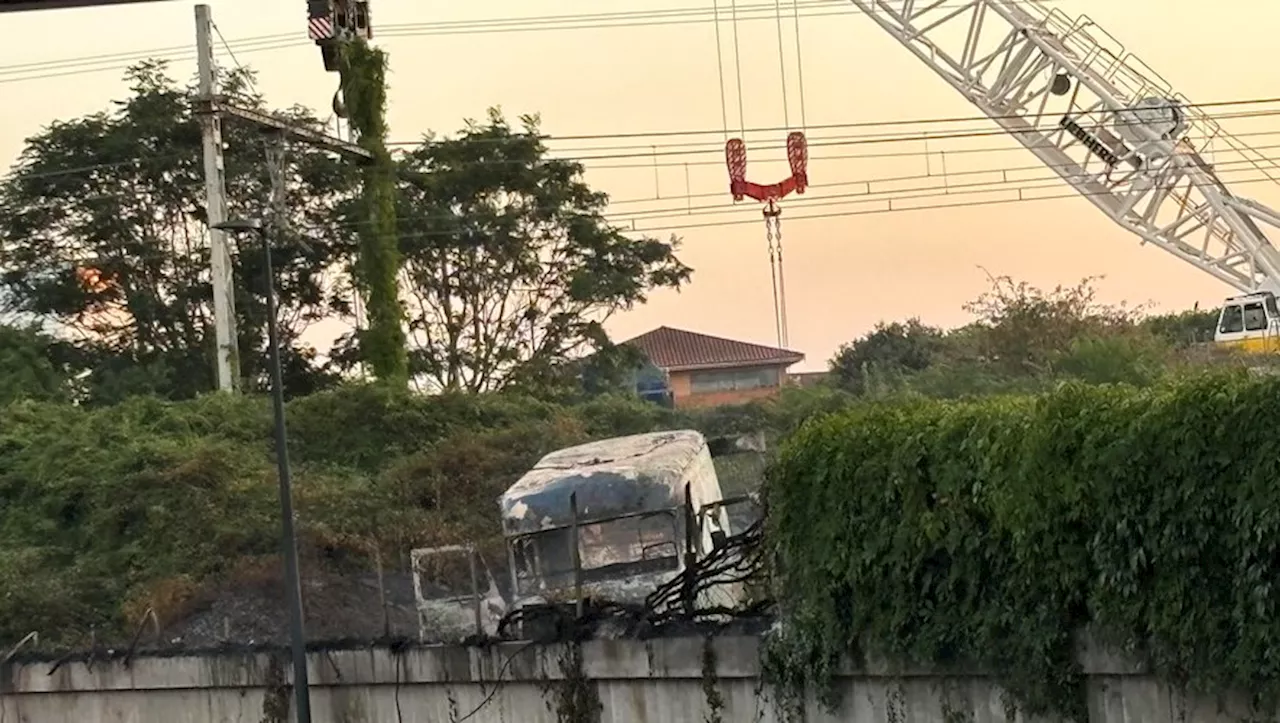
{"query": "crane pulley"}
pixel 331 22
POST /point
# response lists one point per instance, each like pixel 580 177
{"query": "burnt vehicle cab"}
pixel 625 500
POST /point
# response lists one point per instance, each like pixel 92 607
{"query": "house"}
pixel 698 370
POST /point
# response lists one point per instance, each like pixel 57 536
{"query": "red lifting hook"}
pixel 735 154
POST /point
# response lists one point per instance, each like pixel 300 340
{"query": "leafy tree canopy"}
pixel 33 365
pixel 1022 339
pixel 890 347
pixel 510 268
pixel 103 230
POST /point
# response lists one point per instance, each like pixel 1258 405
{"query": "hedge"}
pixel 987 534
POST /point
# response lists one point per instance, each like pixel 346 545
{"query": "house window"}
pixel 730 380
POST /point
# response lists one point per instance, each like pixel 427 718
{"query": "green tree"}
pixel 894 348
pixel 33 365
pixel 1184 328
pixel 1136 358
pixel 1021 329
pixel 103 230
pixel 510 268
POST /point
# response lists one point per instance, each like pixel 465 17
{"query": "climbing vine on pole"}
pixel 363 72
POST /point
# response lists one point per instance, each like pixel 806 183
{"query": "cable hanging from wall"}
pixel 797 158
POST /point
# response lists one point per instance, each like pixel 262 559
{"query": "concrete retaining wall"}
pixel 660 680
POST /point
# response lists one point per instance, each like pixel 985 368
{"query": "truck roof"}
pixel 612 477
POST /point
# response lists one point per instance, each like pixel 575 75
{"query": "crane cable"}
pixel 772 213
pixel 771 210
pixel 724 105
pixel 737 66
pixel 795 14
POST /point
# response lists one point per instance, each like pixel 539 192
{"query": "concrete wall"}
pixel 660 681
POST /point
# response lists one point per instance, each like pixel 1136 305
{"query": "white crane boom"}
pixel 1102 120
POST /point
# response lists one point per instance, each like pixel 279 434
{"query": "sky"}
pixel 845 271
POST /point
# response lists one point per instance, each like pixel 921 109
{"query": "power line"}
pixel 682 149
pixel 897 194
pixel 263 43
pixel 927 191
pixel 886 209
pixel 933 120
pixel 886 196
pixel 863 139
pixel 247 75
pixel 705 147
pixel 858 156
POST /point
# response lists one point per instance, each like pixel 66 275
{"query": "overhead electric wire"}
pixel 854 140
pixel 852 156
pixel 685 209
pixel 851 140
pixel 869 195
pixel 479 26
pixel 832 142
pixel 248 76
pixel 729 207
pixel 883 196
pixel 835 141
pixel 887 209
pixel 934 120
pixel 598 21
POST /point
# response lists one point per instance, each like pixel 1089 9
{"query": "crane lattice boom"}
pixel 1102 120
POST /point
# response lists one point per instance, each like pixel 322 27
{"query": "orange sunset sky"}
pixel 843 272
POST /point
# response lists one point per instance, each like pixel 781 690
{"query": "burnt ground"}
pixel 338 605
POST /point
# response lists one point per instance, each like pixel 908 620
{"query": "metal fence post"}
pixel 690 554
pixel 577 556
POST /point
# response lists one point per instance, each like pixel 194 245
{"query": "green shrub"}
pixel 115 509
pixel 989 533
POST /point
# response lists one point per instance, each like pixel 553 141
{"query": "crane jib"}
pixel 1081 102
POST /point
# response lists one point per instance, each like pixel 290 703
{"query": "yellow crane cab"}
pixel 1249 323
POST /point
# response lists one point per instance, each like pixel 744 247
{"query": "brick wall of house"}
pixel 683 396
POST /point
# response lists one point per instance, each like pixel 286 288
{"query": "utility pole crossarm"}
pixel 218 105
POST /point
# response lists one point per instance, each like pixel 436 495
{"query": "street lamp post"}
pixel 292 581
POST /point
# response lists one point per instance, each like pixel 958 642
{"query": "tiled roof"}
pixel 676 349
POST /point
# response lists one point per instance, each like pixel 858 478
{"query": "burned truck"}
pixel 612 520
pixel 635 505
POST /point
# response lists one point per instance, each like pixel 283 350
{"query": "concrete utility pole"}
pixel 212 107
pixel 224 310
